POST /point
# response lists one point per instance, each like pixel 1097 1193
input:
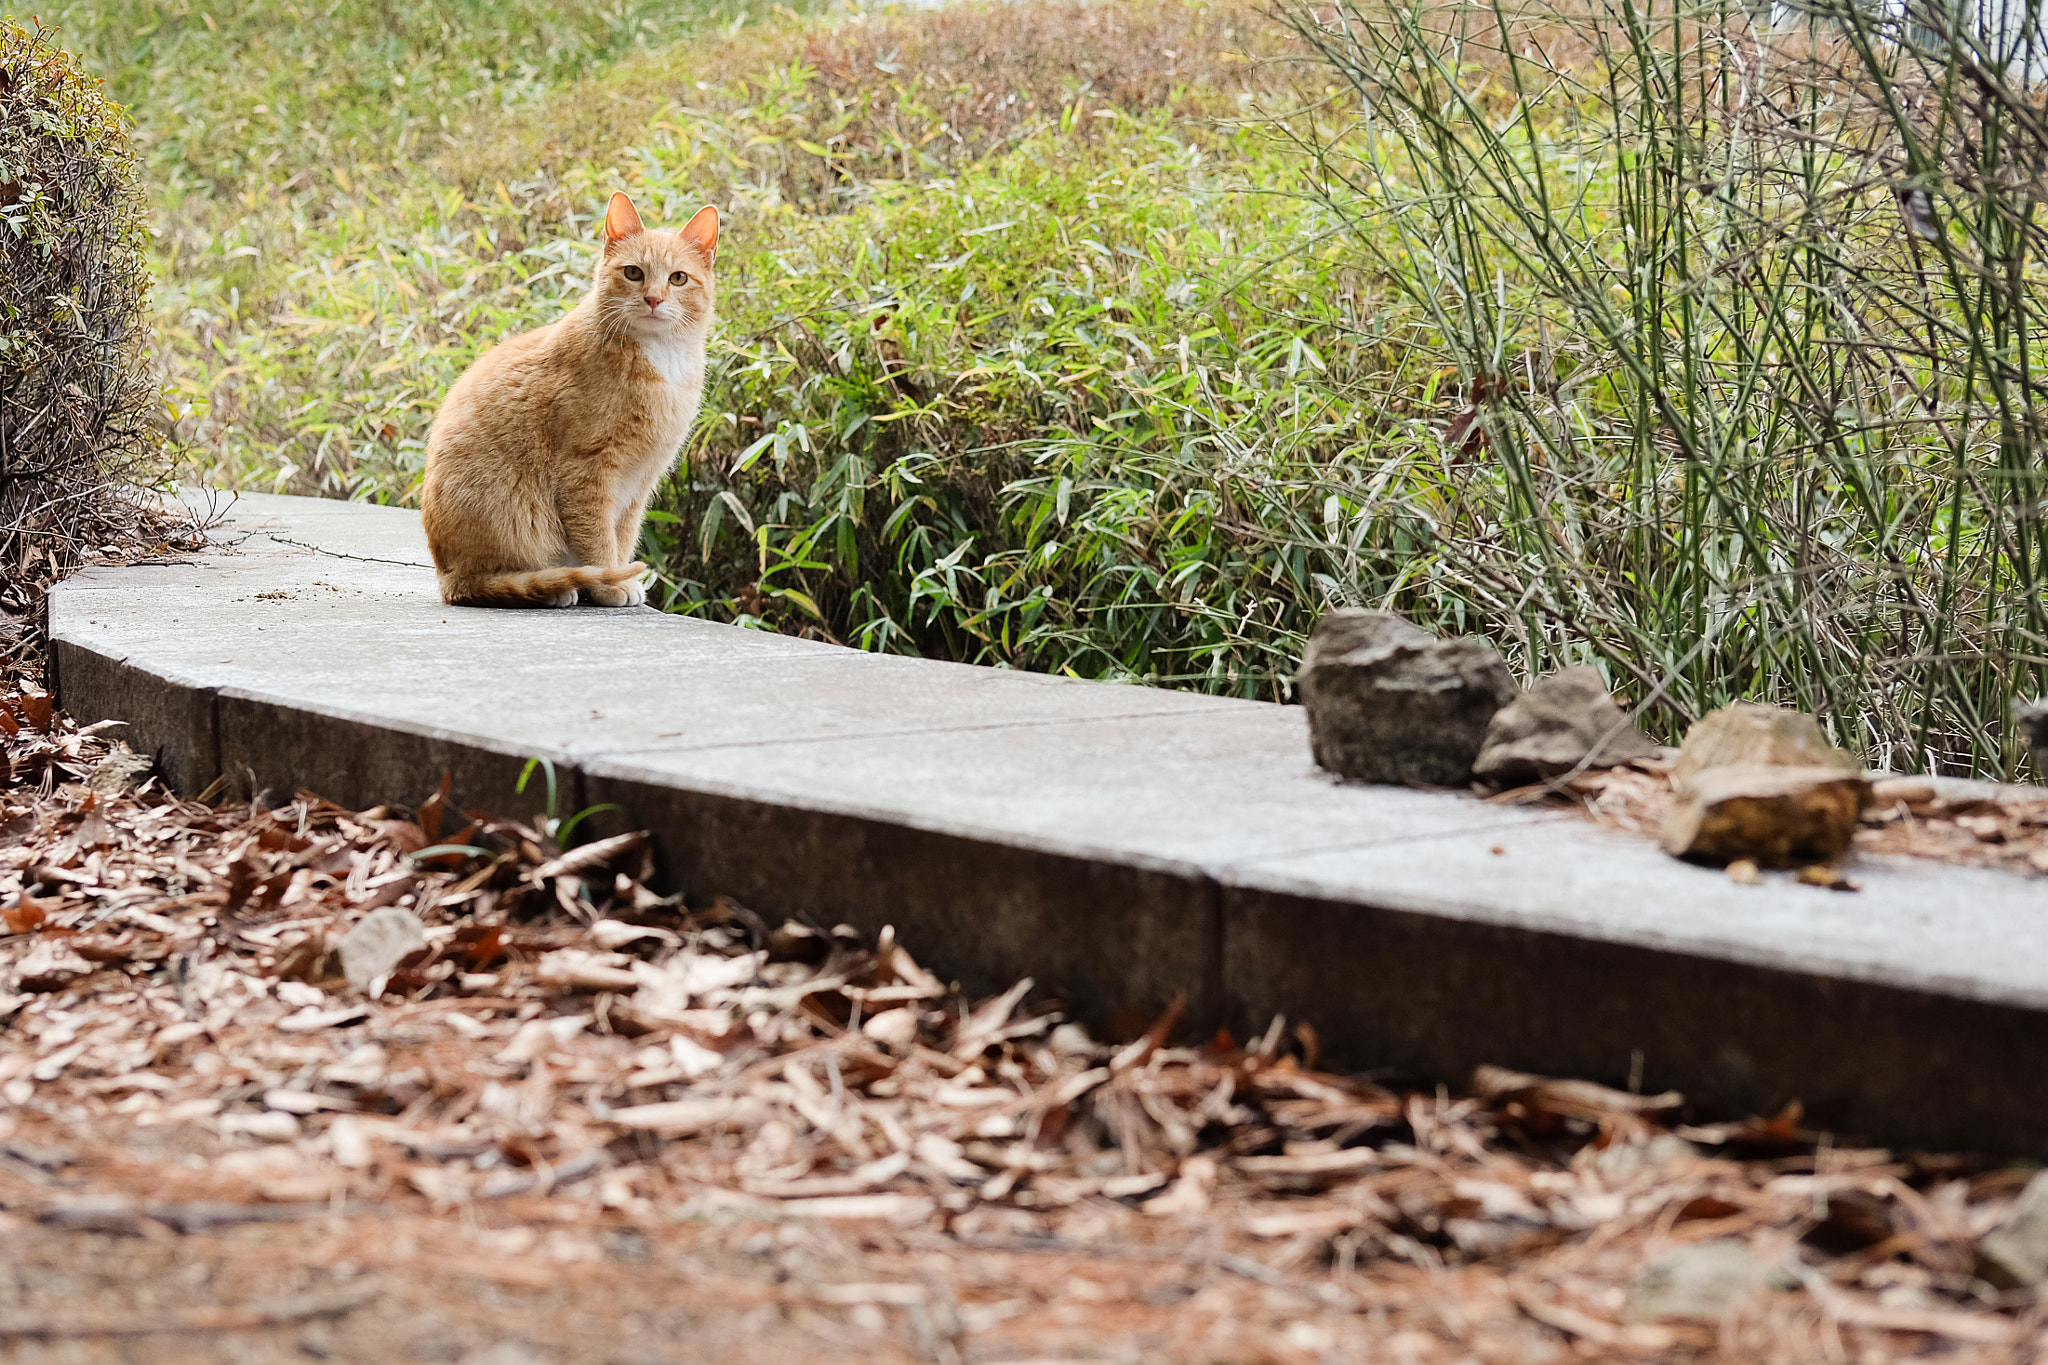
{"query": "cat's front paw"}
pixel 619 595
pixel 560 599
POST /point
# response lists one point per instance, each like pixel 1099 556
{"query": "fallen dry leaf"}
pixel 558 1053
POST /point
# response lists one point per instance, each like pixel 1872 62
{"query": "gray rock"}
pixel 2032 718
pixel 1619 1163
pixel 1565 720
pixel 120 772
pixel 1750 734
pixel 2015 1253
pixel 1390 703
pixel 376 946
pixel 1701 1282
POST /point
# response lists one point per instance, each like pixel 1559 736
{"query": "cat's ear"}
pixel 621 220
pixel 701 231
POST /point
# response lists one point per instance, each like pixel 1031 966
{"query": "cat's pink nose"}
pixel 654 303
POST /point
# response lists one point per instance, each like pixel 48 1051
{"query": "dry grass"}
pixel 990 71
pixel 894 95
pixel 1964 824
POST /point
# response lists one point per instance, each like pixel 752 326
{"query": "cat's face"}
pixel 654 283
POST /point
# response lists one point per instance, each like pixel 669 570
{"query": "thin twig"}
pixel 224 1319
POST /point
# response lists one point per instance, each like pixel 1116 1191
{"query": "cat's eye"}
pixel 635 274
pixel 679 278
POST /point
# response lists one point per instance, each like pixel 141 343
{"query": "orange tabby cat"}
pixel 545 452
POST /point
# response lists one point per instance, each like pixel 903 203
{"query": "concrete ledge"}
pixel 1427 995
pixel 1125 844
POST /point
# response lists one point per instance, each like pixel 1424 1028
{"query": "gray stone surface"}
pixel 1388 702
pixel 382 940
pixel 1563 722
pixel 2032 718
pixel 1127 844
pixel 1701 1282
pixel 1748 733
pixel 2015 1253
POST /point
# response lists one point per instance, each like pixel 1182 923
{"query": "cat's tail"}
pixel 537 585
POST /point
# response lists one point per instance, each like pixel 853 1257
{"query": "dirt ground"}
pixel 558 1280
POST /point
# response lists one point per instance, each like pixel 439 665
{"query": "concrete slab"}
pixel 1917 925
pixel 1082 852
pixel 1916 1008
pixel 1424 995
pixel 1126 843
pixel 1190 793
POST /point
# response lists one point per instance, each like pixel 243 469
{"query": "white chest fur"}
pixel 677 359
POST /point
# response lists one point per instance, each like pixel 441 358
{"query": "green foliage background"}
pixel 1054 335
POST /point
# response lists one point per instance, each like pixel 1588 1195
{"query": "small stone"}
pixel 895 1029
pixel 1620 1162
pixel 351 1143
pixel 1774 817
pixel 2032 718
pixel 1388 702
pixel 1748 734
pixel 1072 1040
pixel 269 1126
pixel 120 772
pixel 49 966
pixel 374 948
pixel 1700 1282
pixel 1565 721
pixel 507 1353
pixel 2015 1253
pixel 1744 872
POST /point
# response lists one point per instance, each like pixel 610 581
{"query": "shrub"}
pixel 1040 346
pixel 1746 306
pixel 76 399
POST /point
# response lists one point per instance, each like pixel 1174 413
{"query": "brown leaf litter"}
pixel 1965 824
pixel 598 1121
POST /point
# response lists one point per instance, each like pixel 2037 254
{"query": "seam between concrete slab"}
pixel 1216 983
pixel 218 762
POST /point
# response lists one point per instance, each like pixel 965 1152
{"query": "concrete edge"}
pixel 1390 984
